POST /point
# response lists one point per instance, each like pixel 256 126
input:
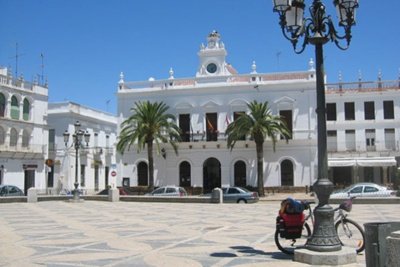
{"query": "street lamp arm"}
pixel 318 28
pixel 336 38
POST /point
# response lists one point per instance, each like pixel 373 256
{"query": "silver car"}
pixel 165 191
pixel 364 190
pixel 239 195
pixel 10 190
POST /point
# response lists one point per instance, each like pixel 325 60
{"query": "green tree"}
pixel 257 125
pixel 150 123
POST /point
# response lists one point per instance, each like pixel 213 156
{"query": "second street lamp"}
pixel 77 138
pixel 317 30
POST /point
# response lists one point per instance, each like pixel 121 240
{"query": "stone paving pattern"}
pixel 95 233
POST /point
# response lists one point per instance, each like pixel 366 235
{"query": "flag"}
pixel 210 127
pixel 227 120
pixel 191 131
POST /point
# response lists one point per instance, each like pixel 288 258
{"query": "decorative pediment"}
pixel 210 105
pixel 238 102
pixel 284 100
pixel 184 106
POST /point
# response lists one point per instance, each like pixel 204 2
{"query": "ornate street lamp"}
pixel 77 139
pixel 317 30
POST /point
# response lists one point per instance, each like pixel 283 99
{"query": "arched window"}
pixel 14 108
pixel 287 173
pixel 26 110
pixel 2 136
pixel 13 137
pixel 25 138
pixel 240 173
pixel 184 174
pixel 2 105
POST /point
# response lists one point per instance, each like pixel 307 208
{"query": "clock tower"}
pixel 212 58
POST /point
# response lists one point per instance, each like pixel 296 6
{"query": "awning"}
pixel 341 162
pixel 362 162
pixel 377 162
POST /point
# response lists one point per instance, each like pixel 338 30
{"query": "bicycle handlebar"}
pixel 345 205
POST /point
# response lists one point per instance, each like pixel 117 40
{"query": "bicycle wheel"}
pixel 350 234
pixel 289 245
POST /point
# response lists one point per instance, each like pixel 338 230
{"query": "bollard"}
pixel 216 196
pixel 113 195
pixel 375 242
pixel 32 195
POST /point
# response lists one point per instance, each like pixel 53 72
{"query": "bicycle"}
pixel 349 232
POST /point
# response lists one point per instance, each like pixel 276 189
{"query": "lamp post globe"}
pixel 317 30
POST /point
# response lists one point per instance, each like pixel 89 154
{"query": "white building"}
pixel 23 132
pixel 95 160
pixel 204 105
pixel 363 127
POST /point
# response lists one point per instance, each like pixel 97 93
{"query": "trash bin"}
pixel 375 242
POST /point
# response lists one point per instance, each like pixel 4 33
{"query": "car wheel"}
pixel 242 201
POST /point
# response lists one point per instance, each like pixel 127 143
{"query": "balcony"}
pixel 352 148
pixel 19 151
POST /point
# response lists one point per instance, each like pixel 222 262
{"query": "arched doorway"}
pixel 211 174
pixel 287 173
pixel 240 173
pixel 184 174
pixel 143 174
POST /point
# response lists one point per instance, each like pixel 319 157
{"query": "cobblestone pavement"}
pixel 95 233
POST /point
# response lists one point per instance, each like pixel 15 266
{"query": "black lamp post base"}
pixel 324 237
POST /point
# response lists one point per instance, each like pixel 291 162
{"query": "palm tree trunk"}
pixel 260 168
pixel 151 164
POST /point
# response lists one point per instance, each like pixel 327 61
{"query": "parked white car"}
pixel 364 190
pixel 173 191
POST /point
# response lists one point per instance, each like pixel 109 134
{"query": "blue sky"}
pixel 87 43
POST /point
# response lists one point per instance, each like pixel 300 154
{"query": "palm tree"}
pixel 258 124
pixel 150 123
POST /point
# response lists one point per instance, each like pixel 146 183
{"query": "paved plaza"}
pixel 96 233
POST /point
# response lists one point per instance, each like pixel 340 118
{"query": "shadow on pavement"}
pixel 250 251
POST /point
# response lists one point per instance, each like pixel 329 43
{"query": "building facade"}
pixel 363 131
pixel 23 132
pixel 96 160
pixel 204 105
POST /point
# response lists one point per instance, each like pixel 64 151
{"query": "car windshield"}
pixel 159 191
pixel 347 189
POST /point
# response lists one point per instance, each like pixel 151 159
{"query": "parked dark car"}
pixel 239 195
pixel 10 190
pixel 122 192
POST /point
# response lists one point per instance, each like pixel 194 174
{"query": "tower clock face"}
pixel 211 68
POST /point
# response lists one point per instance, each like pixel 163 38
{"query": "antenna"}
pixel 107 103
pixel 17 55
pixel 42 67
pixel 278 54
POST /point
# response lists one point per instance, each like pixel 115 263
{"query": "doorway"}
pixel 211 175
pixel 29 180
